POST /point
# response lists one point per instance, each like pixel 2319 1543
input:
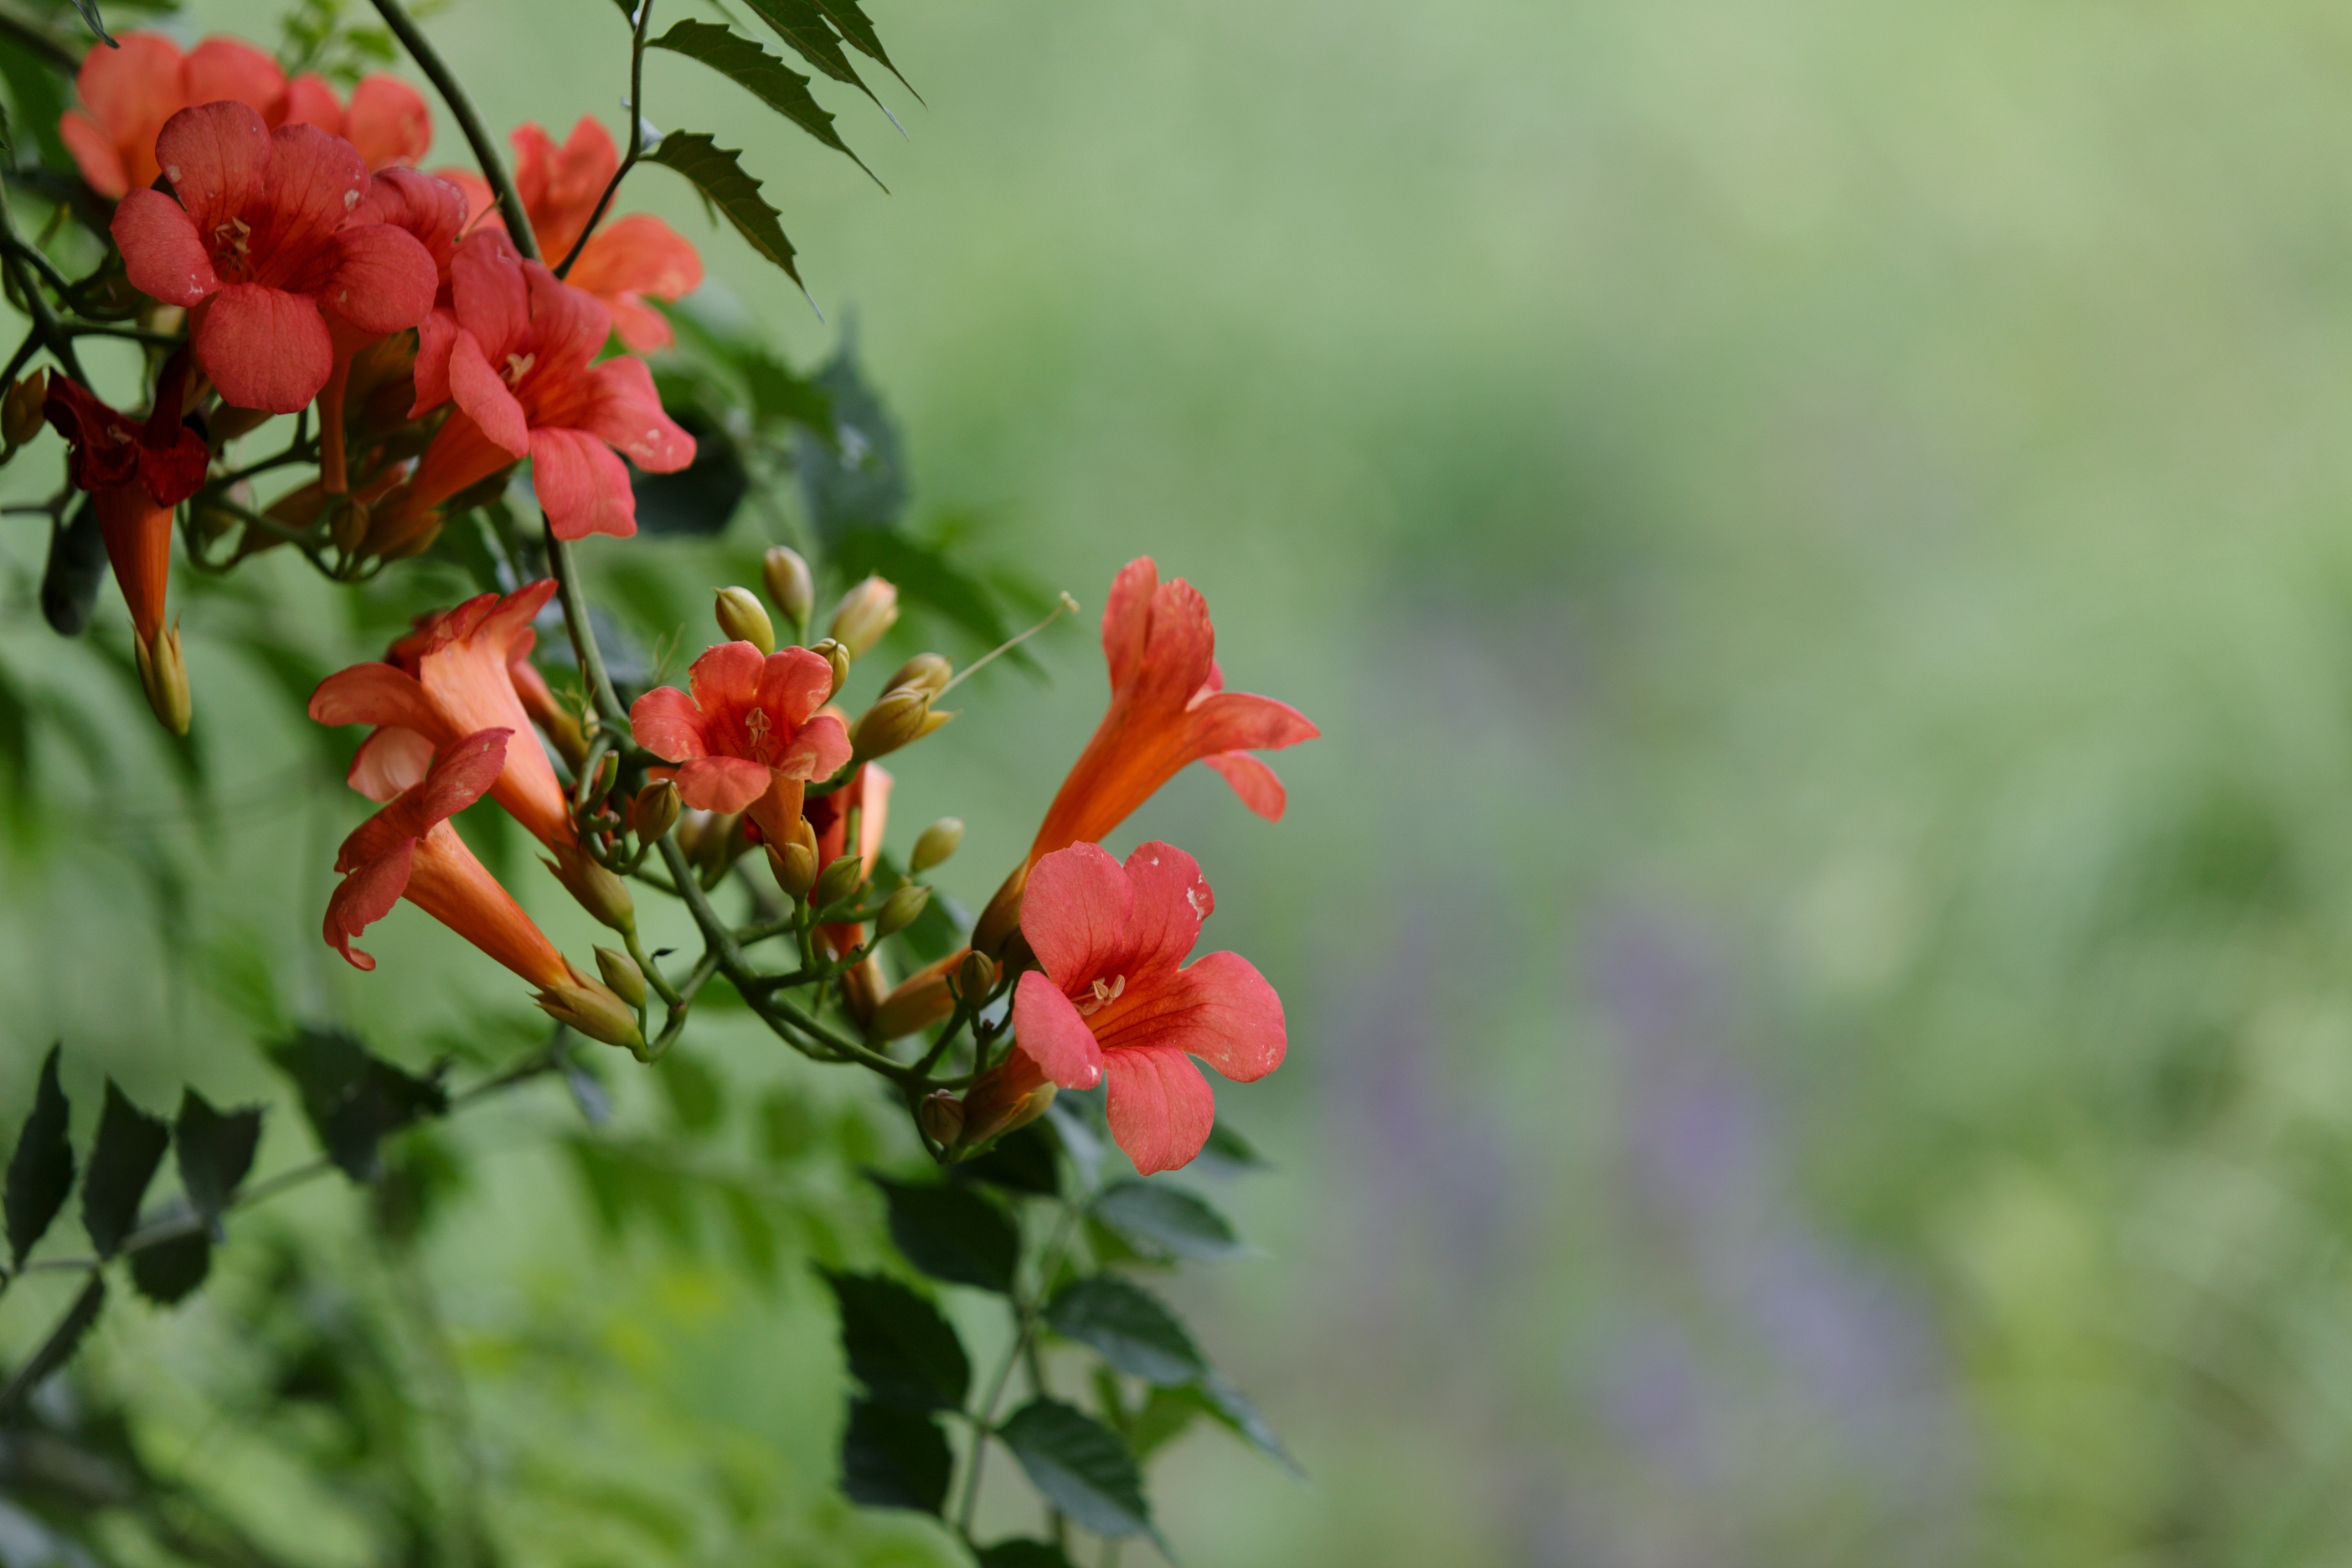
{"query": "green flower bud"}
pixel 836 656
pixel 840 879
pixel 899 718
pixel 795 868
pixel 941 1116
pixel 899 909
pixel 163 676
pixel 864 613
pixel 938 843
pixel 928 673
pixel 741 619
pixel 604 894
pixel 622 974
pixel 655 810
pixel 976 976
pixel 790 587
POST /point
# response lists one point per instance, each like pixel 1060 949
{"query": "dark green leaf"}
pixel 1080 1465
pixel 702 497
pixel 77 565
pixel 894 1458
pixel 170 1271
pixel 852 24
pixel 780 396
pixel 1127 1327
pixel 716 173
pixel 56 1350
pixel 1021 1554
pixel 41 1171
pixel 89 10
pixel 352 1098
pixel 951 1232
pixel 1224 1402
pixel 899 1345
pixel 759 73
pixel 122 1161
pixel 215 1151
pixel 1161 1220
pixel 800 23
pixel 1230 1149
pixel 1022 1162
pixel 1165 1416
pixel 854 479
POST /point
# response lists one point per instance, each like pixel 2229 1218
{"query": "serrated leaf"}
pixel 894 1458
pixel 1224 1402
pixel 1127 1327
pixel 1080 1465
pixel 168 1271
pixel 63 1341
pixel 41 1171
pixel 899 1345
pixel 717 173
pixel 761 75
pixel 122 1161
pixel 801 24
pixel 1021 1554
pixel 88 12
pixel 1163 1220
pixel 1022 1162
pixel 214 1150
pixel 953 1233
pixel 354 1100
pixel 852 24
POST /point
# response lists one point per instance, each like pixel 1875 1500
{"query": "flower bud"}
pixel 922 999
pixel 654 810
pixel 692 826
pixel 899 718
pixel 837 657
pixel 594 1010
pixel 347 523
pixel 163 676
pixel 937 842
pixel 928 673
pixel 789 588
pixel 741 619
pixel 604 894
pixel 899 909
pixel 864 613
pixel 795 868
pixel 941 1116
pixel 20 411
pixel 1006 1097
pixel 976 976
pixel 622 974
pixel 840 879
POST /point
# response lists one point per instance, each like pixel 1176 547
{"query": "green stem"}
pixel 469 120
pixel 45 325
pixel 636 138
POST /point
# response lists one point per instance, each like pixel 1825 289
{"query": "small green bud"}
pixel 604 894
pixel 622 974
pixel 864 613
pixel 790 587
pixel 347 523
pixel 655 810
pixel 974 976
pixel 928 673
pixel 795 868
pixel 899 718
pixel 836 655
pixel 899 909
pixel 937 844
pixel 741 619
pixel 840 879
pixel 941 1116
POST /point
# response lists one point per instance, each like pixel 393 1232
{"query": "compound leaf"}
pixel 953 1233
pixel 41 1171
pixel 718 173
pixel 899 1345
pixel 894 1458
pixel 122 1161
pixel 1080 1465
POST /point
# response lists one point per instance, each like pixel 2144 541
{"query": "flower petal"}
pixel 1238 721
pixel 1075 914
pixel 437 335
pixel 311 101
pixel 376 693
pixel 723 785
pixel 385 279
pixel 817 749
pixel 1161 1109
pixel 161 249
pixel 726 677
pixel 1252 780
pixel 94 151
pixel 388 762
pixel 792 683
pixel 427 206
pixel 216 156
pixel 1127 619
pixel 568 326
pixel 1053 1034
pixel 666 722
pixel 389 124
pixel 130 91
pixel 487 291
pixel 315 180
pixel 1221 1010
pixel 265 348
pixel 1171 900
pixel 627 411
pixel 232 68
pixel 583 485
pixel 365 897
pixel 479 391
pixel 637 255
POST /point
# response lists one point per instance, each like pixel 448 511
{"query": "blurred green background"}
pixel 1816 935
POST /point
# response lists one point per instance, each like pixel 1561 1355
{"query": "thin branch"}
pixel 636 138
pixel 469 120
pixel 45 325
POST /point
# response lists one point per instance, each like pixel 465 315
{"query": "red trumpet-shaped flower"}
pixel 434 212
pixel 408 850
pixel 387 124
pixel 136 473
pixel 1168 707
pixel 262 245
pixel 517 352
pixel 1114 1003
pixel 628 261
pixel 751 737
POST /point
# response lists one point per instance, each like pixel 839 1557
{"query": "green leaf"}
pixel 88 11
pixel 1165 1221
pixel 1230 1149
pixel 761 75
pixel 215 1151
pixel 853 479
pixel 354 1100
pixel 899 1345
pixel 953 1233
pixel 853 26
pixel 1021 1554
pixel 1127 1327
pixel 75 567
pixel 122 1161
pixel 1022 1162
pixel 1167 1415
pixel 700 499
pixel 1080 1465
pixel 801 24
pixel 715 172
pixel 56 1350
pixel 1224 1402
pixel 41 1171
pixel 894 1458
pixel 926 576
pixel 168 1271
pixel 781 396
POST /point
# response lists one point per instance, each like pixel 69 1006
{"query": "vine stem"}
pixel 637 137
pixel 469 120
